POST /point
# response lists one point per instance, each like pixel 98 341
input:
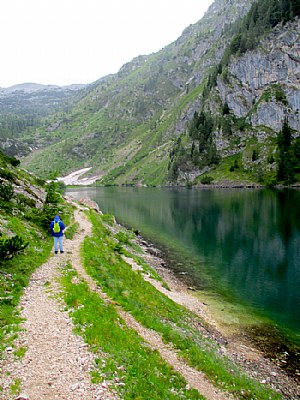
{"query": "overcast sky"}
pixel 79 41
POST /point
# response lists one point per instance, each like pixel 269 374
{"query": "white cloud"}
pixel 79 41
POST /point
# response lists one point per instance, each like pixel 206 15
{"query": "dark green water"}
pixel 245 243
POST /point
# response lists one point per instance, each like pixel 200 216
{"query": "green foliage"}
pixel 270 180
pixel 11 247
pixel 124 237
pixel 280 95
pixel 206 180
pixel 262 17
pixel 203 151
pixel 6 191
pixel 71 231
pixel 54 204
pixel 8 159
pixel 178 159
pixel 286 155
pixel 255 155
pixel 234 166
pixel 226 109
pixel 52 193
pixel 24 202
pixel 7 174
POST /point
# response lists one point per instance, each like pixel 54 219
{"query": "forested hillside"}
pixel 207 108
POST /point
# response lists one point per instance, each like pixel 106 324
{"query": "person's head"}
pixel 56 218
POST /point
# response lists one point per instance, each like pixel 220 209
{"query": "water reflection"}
pixel 246 241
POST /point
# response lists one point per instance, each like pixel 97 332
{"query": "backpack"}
pixel 56 227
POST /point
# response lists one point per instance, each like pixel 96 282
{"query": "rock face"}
pixel 260 88
pixel 263 87
pixel 275 62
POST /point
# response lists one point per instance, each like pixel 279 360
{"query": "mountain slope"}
pixel 129 124
pixel 128 115
pixel 23 106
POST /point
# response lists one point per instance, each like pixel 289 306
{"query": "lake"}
pixel 242 243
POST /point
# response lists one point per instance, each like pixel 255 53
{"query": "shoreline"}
pixel 81 178
pixel 235 339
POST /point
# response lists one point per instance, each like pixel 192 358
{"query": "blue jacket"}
pixel 62 227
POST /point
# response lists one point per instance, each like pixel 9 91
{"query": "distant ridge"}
pixel 31 87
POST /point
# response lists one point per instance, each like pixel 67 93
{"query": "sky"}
pixel 61 42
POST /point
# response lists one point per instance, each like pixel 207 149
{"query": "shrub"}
pixel 255 155
pixel 25 201
pixel 9 159
pixel 6 191
pixel 234 166
pixel 206 180
pixel 52 195
pixel 11 247
pixel 7 174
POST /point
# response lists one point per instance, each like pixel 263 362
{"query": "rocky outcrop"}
pixel 264 84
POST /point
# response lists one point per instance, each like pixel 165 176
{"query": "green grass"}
pixel 222 171
pixel 127 358
pixel 15 387
pixel 72 230
pixel 155 311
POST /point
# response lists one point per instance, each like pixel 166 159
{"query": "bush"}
pixel 9 159
pixel 206 180
pixel 255 155
pixel 24 201
pixel 11 247
pixel 6 191
pixel 53 196
pixel 7 174
pixel 234 166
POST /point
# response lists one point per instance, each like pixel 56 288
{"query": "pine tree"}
pixel 286 158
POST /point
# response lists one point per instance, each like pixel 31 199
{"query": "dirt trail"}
pixel 57 363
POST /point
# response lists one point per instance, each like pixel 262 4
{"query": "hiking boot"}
pixel 56 252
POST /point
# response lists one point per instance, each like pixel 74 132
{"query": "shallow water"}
pixel 242 243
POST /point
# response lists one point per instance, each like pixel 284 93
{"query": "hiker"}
pixel 57 230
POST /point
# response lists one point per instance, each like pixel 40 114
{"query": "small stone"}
pixel 22 396
pixel 76 386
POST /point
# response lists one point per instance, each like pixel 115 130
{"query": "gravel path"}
pixel 57 363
